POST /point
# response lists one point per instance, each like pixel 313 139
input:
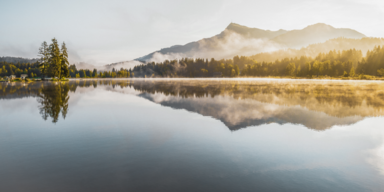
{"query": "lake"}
pixel 192 135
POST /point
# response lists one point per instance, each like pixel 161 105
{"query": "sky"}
pixel 103 32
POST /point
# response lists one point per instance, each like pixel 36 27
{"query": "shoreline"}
pixel 226 78
pixel 371 78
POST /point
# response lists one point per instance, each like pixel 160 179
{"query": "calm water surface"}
pixel 192 135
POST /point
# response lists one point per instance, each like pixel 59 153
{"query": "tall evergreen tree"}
pixel 64 61
pixel 54 59
pixel 11 71
pixel 94 72
pixel 44 58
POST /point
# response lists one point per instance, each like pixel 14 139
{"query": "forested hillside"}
pixel 32 69
pixel 313 50
pixel 332 64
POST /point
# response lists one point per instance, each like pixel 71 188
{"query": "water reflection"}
pixel 151 135
pixel 238 104
pixel 52 97
pixel 53 100
pixel 316 104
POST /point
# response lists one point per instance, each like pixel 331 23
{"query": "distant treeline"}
pixel 33 70
pixel 333 64
pixel 86 73
pixel 346 63
pixel 313 50
pixel 7 69
pixel 17 60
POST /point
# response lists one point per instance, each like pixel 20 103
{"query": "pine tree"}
pixel 64 61
pixel 11 71
pixel 54 59
pixel 44 58
pixel 352 72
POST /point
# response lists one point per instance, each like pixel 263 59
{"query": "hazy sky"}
pixel 102 32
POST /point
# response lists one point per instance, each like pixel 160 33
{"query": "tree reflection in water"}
pixel 53 99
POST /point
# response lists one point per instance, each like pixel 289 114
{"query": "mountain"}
pixel 241 40
pixel 209 47
pixel 254 32
pixel 315 34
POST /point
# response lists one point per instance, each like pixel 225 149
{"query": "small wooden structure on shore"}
pixel 23 76
pixel 11 77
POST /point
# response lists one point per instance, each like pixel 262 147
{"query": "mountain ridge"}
pixel 254 32
pixel 255 40
pixel 319 32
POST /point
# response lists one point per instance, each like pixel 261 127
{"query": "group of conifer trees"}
pixel 86 73
pixel 53 60
pixel 31 69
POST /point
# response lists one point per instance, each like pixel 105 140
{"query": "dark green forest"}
pixel 7 69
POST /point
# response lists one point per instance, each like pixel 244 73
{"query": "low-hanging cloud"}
pixel 109 67
pixel 224 46
pixel 119 65
pixel 229 44
pixel 159 57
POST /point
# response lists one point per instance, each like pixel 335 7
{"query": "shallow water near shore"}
pixel 192 135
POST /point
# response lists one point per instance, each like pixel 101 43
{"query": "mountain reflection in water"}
pixel 238 103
